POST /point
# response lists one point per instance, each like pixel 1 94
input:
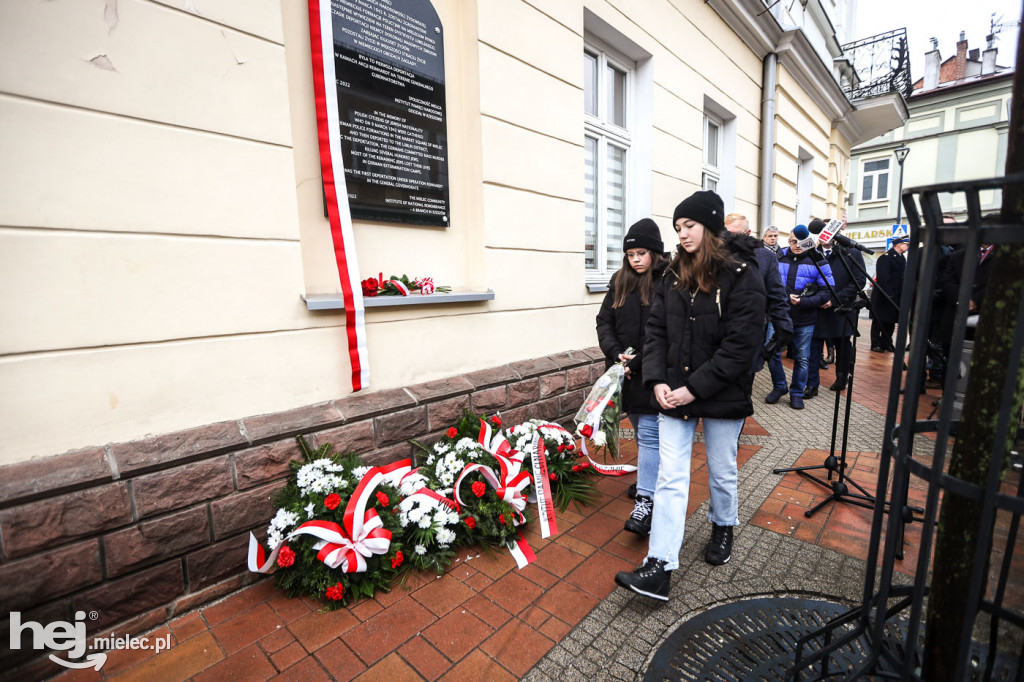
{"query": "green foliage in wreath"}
pixel 322 484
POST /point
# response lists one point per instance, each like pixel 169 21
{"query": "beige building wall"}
pixel 801 126
pixel 161 213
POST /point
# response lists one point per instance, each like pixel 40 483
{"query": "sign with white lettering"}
pixel 389 70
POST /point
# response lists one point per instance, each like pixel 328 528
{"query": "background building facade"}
pixel 957 130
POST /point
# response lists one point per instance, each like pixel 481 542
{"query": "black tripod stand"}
pixel 840 486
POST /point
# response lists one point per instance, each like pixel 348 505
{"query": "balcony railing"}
pixel 882 63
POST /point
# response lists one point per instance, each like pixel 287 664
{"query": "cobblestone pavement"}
pixel 617 640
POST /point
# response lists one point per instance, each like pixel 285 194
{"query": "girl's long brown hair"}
pixel 698 270
pixel 627 280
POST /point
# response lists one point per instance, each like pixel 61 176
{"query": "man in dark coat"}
pixel 808 287
pixel 889 270
pixel 837 327
pixel 768 265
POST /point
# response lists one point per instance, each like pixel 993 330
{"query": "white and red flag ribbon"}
pixel 348 546
pixel 321 35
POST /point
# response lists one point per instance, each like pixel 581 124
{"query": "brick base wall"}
pixel 140 532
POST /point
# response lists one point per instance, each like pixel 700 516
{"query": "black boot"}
pixel 639 521
pixel 719 549
pixel 840 382
pixel 650 580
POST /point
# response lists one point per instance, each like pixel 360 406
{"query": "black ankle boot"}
pixel 650 580
pixel 719 549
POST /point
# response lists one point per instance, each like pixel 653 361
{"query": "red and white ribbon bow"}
pixel 348 546
pixel 426 285
pixel 509 481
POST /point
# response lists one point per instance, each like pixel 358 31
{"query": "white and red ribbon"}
pixel 348 546
pixel 542 489
pixel 521 551
pixel 332 170
pixel 426 285
pixel 603 469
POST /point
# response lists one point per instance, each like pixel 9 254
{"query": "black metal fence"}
pixel 890 622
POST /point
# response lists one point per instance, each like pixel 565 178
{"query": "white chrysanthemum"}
pixel 274 539
pixel 403 518
pixel 441 448
pixel 465 443
pixel 309 510
pixel 425 521
pixel 420 549
pixel 359 472
pixel 412 483
pixel 430 460
pixel 415 515
pixel 445 537
pixel 284 519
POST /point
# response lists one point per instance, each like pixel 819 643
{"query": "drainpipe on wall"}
pixel 768 87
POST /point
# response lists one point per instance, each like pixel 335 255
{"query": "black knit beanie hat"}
pixel 706 208
pixel 643 234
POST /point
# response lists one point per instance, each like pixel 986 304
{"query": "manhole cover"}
pixel 747 640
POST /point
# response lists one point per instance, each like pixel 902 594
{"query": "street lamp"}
pixel 901 156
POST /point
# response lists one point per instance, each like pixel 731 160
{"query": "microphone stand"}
pixel 840 489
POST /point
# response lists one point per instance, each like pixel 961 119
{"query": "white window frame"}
pixel 804 186
pixel 712 172
pixel 608 134
pixel 863 198
pixel 726 169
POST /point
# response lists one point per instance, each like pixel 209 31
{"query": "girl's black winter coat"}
pixel 618 329
pixel 707 341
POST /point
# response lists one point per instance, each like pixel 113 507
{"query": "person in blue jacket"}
pixel 808 290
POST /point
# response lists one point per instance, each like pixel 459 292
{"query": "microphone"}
pixel 803 238
pixel 830 233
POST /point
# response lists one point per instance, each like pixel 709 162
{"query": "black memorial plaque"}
pixel 389 66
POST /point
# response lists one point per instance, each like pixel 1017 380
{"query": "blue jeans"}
pixel 647 452
pixel 802 341
pixel 672 491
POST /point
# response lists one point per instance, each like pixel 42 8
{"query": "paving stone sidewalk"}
pixel 618 639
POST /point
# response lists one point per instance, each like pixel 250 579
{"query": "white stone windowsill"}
pixel 337 301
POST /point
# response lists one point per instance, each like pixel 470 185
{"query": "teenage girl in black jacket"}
pixel 620 325
pixel 704 328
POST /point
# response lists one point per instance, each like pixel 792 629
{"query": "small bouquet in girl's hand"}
pixel 599 417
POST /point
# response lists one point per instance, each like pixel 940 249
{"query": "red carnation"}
pixel 470 522
pixel 571 447
pixel 370 286
pixel 397 560
pixel 584 465
pixel 501 519
pixel 587 430
pixel 561 448
pixel 553 476
pixel 452 432
pixel 336 592
pixel 332 501
pixel 383 499
pixel 286 557
pixel 496 420
pixel 479 488
pixel 575 467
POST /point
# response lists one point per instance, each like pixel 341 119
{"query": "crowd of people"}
pixel 702 321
